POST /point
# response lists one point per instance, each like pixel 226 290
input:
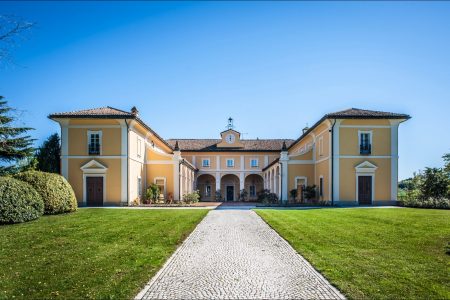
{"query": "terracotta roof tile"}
pixel 211 144
pixel 105 112
pixel 364 113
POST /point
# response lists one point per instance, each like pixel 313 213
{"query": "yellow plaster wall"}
pixel 365 122
pixel 163 170
pixel 113 179
pixel 347 182
pixel 323 168
pixel 93 122
pixel 381 141
pixel 78 140
pixel 300 170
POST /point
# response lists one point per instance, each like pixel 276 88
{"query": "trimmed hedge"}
pixel 54 189
pixel 19 201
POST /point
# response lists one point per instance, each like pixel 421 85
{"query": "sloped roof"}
pixel 203 145
pixel 107 112
pixel 356 113
pixel 353 113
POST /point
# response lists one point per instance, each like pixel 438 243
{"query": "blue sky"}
pixel 272 66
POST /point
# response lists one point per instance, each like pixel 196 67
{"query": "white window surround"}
pixel 365 168
pixel 139 147
pixel 206 163
pixel 370 138
pixel 165 184
pixel 91 132
pixel 297 178
pixel 254 163
pixel 230 163
pixel 208 190
pixel 320 142
pixel 139 186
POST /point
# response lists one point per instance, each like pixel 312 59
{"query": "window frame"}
pixel 370 133
pixel 203 163
pixel 321 186
pixel 206 190
pixel 139 186
pixel 232 162
pixel 165 185
pixel 251 163
pixel 89 134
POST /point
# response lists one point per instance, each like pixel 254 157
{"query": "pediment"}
pixel 366 166
pixel 93 165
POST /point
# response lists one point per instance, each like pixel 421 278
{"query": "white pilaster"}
pixel 241 180
pixel 124 162
pixel 176 175
pixel 394 158
pixel 336 160
pixel 284 158
pixel 266 160
pixel 242 163
pixel 64 148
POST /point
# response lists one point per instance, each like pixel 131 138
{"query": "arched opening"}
pixel 206 184
pixel 230 187
pixel 254 184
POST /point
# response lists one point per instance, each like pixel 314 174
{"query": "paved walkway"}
pixel 234 254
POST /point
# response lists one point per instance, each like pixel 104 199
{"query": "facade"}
pixel 111 156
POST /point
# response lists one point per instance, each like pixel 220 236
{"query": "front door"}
pixel 230 193
pixel 365 190
pixel 94 193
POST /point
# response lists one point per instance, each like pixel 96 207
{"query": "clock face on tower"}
pixel 230 138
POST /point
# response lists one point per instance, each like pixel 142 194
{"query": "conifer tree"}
pixel 15 145
pixel 48 155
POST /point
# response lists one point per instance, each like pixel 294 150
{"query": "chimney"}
pixel 176 148
pixel 134 111
pixel 305 129
pixel 284 147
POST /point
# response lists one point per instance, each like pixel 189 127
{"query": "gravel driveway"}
pixel 234 254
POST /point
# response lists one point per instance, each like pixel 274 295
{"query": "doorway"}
pixel 230 193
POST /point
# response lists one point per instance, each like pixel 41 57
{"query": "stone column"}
pixel 284 176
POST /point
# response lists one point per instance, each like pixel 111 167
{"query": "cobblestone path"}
pixel 234 254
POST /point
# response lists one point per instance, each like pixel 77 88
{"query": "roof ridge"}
pixel 124 111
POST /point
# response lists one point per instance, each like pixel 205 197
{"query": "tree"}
pixel 12 30
pixel 435 184
pixel 446 158
pixel 48 155
pixel 14 145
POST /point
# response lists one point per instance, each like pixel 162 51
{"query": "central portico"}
pixel 228 165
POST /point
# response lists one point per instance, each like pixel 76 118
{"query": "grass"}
pixel 93 253
pixel 395 253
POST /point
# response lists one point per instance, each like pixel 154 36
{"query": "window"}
pixel 139 186
pixel 208 191
pixel 139 149
pixel 254 163
pixel 252 191
pixel 321 186
pixel 230 163
pixel 320 146
pixel 205 163
pixel 365 142
pixel 161 183
pixel 94 142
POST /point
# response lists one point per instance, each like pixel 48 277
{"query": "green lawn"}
pixel 93 253
pixel 373 253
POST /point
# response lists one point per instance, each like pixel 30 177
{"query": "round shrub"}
pixel 54 189
pixel 19 201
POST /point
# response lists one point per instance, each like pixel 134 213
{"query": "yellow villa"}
pixel 111 156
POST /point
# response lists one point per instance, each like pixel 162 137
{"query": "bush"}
pixel 441 203
pixel 266 197
pixel 191 197
pixel 152 194
pixel 19 201
pixel 56 192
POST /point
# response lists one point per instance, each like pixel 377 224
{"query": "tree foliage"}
pixel 48 155
pixel 15 145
